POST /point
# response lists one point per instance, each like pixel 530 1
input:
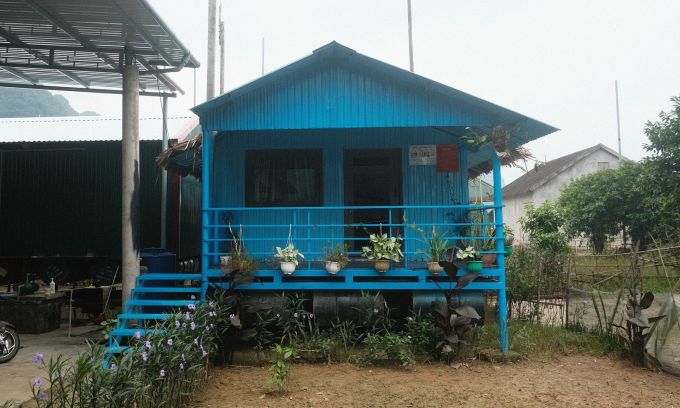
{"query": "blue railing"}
pixel 315 229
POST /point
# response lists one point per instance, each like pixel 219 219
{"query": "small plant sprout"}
pixel 281 367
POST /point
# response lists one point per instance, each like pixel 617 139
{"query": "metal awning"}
pixel 81 45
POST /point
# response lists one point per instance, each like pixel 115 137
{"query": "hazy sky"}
pixel 555 61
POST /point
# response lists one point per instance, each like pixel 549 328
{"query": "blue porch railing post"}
pixel 500 250
pixel 205 204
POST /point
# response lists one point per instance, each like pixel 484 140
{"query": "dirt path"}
pixel 571 381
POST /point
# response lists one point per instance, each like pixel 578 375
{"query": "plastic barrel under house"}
pixel 157 260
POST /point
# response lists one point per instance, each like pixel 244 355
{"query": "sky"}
pixel 554 61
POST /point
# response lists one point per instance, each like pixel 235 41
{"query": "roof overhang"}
pixel 81 45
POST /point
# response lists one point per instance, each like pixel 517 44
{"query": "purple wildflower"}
pixel 295 315
pixel 38 358
pixel 177 323
pixel 311 315
pixel 144 356
pixel 183 359
pixel 193 297
pixel 212 325
pixel 148 344
pixel 37 382
pixel 191 306
pixel 205 353
pixel 162 373
pixel 187 316
pixel 169 342
pixel 113 366
pixel 193 326
pixel 42 396
pixel 138 335
pixel 184 325
pixel 196 341
pixel 181 366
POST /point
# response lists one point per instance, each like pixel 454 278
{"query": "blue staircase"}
pixel 136 316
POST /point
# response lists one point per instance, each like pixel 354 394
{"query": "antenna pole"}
pixel 618 120
pixel 210 92
pixel 262 56
pixel 410 36
pixel 221 51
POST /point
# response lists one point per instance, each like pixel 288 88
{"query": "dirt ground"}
pixel 578 380
pixel 16 375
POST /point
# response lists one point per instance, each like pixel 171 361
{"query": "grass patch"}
pixel 535 341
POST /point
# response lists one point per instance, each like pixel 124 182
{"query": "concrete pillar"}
pixel 130 163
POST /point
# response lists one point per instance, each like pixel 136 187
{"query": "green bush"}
pixel 394 347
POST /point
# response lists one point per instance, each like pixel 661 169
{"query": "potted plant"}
pixel 288 258
pixel 239 260
pixel 336 259
pixel 383 249
pixel 471 256
pixel 437 247
pixel 509 239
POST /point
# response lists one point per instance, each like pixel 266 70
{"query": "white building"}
pixel 547 180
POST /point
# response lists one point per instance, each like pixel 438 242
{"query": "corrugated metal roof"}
pixel 336 87
pixel 87 128
pixel 79 45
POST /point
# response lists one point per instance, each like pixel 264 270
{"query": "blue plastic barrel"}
pixel 157 260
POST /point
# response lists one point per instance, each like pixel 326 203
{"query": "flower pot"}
pixel 288 268
pixel 434 268
pixel 474 266
pixel 488 260
pixel 382 265
pixel 333 267
pixel 508 250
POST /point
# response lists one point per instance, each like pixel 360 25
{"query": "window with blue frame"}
pixel 284 178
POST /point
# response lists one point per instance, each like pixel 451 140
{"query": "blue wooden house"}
pixel 339 144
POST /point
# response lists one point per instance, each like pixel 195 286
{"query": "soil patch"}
pixel 578 380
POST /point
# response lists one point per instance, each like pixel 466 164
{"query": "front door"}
pixel 372 177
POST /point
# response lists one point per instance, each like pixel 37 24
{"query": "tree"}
pixel 592 207
pixel 544 225
pixel 664 166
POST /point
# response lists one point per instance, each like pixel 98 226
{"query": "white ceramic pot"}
pixel 333 267
pixel 288 268
pixel 434 268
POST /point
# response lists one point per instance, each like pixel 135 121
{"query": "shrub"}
pixel 389 346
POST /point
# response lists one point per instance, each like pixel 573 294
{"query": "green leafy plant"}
pixel 452 322
pixel 373 314
pixel 468 254
pixel 382 246
pixel 288 254
pixel 281 368
pixel 345 333
pixel 337 254
pixel 420 330
pixel 437 245
pixel 389 346
pixel 639 328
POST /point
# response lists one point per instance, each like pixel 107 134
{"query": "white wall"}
pixel 551 190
